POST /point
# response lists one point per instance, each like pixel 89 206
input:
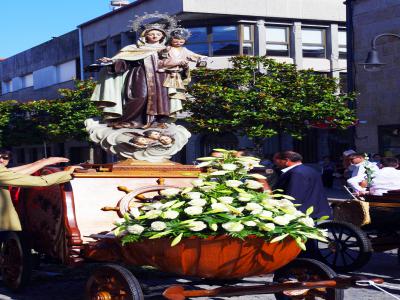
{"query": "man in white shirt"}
pixel 387 178
pixel 358 175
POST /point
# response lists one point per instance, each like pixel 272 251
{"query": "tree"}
pixel 35 122
pixel 260 98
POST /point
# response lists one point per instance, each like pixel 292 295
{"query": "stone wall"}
pixel 378 92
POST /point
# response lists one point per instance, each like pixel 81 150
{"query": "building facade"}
pixel 308 33
pixel 378 106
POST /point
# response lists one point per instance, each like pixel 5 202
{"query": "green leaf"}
pixel 176 240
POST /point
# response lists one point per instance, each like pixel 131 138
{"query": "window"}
pixel 313 42
pixel 389 139
pixel 277 41
pixel 27 80
pixel 198 41
pixel 66 71
pixel 225 41
pixel 215 41
pixel 247 40
pixel 6 87
pixel 101 50
pixel 342 40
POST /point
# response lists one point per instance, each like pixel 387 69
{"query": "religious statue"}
pixel 141 88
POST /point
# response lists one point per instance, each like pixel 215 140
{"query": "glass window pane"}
pixel 225 49
pixel 199 34
pixel 276 47
pixel 312 36
pixel 342 38
pixel 199 48
pixel 313 51
pixel 276 34
pixel 246 33
pixel 224 33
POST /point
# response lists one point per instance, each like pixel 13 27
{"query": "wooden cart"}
pixel 72 223
pixel 359 229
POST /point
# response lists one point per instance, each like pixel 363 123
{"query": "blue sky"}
pixel 27 23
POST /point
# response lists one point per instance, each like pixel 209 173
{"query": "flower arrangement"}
pixel 227 199
pixel 369 170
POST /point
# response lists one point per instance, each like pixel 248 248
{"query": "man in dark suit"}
pixel 302 183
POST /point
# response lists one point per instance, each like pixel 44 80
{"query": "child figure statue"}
pixel 174 61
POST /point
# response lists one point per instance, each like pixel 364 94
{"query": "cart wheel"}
pixel 348 248
pixel 305 269
pixel 113 282
pixel 15 261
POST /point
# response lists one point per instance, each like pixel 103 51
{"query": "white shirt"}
pixel 385 179
pixel 358 175
pixel 288 168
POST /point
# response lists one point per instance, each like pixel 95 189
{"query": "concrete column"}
pixel 296 45
pixel 332 45
pixel 260 38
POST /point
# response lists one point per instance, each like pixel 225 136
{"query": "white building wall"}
pixel 66 71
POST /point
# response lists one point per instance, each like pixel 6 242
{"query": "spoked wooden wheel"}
pixel 15 261
pixel 113 282
pixel 348 247
pixel 139 195
pixel 304 269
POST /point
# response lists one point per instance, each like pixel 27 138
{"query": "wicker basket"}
pixel 353 211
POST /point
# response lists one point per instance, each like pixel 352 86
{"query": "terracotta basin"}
pixel 220 257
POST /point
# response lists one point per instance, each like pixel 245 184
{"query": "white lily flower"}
pixel 135 229
pixel 158 226
pixel 265 215
pixel 169 203
pixel 198 182
pixel 198 202
pixel 225 199
pixel 197 225
pixel 119 221
pixel 193 210
pixel 156 205
pixel 245 197
pixel 307 221
pixel 204 164
pixel 283 220
pixel 253 206
pixel 170 192
pixel 153 214
pixel 233 183
pixel 219 207
pixel 219 173
pixel 266 226
pixel 214 227
pixel 250 223
pixel 229 167
pixel 206 188
pixel 257 176
pixel 194 195
pixel 170 214
pixel 254 185
pixel 135 212
pixel 233 226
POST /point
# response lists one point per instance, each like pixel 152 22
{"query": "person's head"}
pixel 166 139
pixel 376 157
pixel 152 134
pixel 390 162
pixel 154 36
pixel 5 157
pixel 216 154
pixel 140 141
pixel 245 152
pixel 178 37
pixel 349 152
pixel 357 158
pixel 286 159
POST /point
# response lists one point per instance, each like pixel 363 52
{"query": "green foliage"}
pixel 260 104
pixel 49 120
